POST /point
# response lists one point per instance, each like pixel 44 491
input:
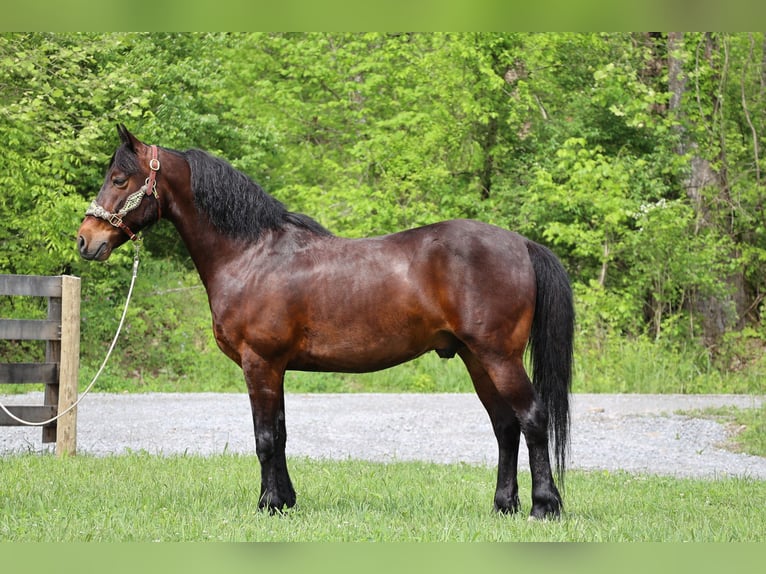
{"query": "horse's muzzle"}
pixel 98 251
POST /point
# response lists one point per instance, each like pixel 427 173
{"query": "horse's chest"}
pixel 254 325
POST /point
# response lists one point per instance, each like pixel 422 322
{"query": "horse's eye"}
pixel 119 181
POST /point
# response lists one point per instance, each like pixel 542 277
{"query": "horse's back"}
pixel 470 254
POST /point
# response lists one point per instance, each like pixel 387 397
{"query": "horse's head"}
pixel 122 207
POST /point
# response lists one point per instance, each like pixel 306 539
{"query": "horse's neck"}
pixel 208 248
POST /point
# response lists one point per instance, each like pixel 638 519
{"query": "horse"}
pixel 287 294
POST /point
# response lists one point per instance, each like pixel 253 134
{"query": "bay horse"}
pixel 285 293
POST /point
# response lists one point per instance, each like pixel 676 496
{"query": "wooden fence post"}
pixel 69 365
pixel 59 372
pixel 53 355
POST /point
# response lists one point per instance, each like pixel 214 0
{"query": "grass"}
pixel 138 497
pixel 747 426
pixel 617 364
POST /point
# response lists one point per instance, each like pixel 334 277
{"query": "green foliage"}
pixel 674 263
pixel 579 141
pixel 587 205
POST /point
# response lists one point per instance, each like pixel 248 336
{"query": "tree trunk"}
pixel 718 312
pixel 488 147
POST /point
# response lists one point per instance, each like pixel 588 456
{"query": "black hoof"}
pixel 275 504
pixel 546 510
pixel 507 505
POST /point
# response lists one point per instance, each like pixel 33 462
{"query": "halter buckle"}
pixel 115 220
pixel 150 186
pixel 154 164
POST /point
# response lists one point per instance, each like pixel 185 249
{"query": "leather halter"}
pixel 133 200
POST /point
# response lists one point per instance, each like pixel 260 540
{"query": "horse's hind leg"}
pixel 507 431
pixel 512 384
pixel 265 387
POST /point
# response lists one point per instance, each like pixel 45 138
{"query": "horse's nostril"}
pixel 81 243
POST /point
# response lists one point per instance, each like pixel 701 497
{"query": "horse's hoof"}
pixel 546 509
pixel 509 508
pixel 276 505
pixel 544 514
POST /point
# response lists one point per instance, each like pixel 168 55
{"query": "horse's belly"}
pixel 369 352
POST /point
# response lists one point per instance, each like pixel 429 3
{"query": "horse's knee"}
pixel 265 445
pixel 534 424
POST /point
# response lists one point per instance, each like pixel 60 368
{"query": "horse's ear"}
pixel 127 138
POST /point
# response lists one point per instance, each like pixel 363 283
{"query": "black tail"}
pixel 551 346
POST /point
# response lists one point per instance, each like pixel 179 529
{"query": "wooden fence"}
pixel 61 333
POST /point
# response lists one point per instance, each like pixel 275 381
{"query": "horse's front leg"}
pixel 265 384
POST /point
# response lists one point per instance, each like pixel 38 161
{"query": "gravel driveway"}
pixel 639 433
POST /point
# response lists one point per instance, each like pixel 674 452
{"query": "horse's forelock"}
pixel 125 159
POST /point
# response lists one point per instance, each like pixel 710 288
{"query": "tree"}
pixel 714 89
pixel 637 156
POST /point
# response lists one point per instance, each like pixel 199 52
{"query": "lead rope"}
pixel 103 364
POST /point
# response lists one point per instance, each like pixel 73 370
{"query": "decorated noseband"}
pixel 133 200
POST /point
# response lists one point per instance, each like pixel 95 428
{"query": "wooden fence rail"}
pixel 59 372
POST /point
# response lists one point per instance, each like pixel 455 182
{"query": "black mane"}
pixel 235 204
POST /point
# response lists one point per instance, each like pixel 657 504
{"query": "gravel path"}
pixel 639 433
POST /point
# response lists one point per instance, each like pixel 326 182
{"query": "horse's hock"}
pixel 59 371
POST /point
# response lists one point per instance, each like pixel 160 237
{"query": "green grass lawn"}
pixel 139 497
